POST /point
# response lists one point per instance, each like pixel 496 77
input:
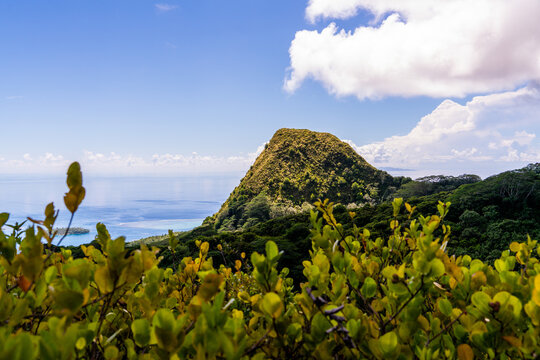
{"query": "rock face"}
pixel 298 167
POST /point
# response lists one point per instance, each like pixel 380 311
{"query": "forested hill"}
pixel 297 167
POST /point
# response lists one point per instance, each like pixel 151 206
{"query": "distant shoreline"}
pixel 72 231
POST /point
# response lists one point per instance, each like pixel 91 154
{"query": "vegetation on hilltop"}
pixel 296 168
pixel 491 214
pixel 434 184
pixel 361 297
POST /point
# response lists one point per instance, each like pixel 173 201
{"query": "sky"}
pixel 416 87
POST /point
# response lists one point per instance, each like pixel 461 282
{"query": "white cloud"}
pixel 421 47
pixel 165 7
pixel 45 163
pixel 486 135
pixel 115 163
pixel 168 163
pixel 337 9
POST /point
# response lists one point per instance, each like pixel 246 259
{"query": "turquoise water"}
pixel 134 207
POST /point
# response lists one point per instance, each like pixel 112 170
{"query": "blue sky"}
pixel 122 85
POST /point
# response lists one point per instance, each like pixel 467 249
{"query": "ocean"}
pixel 134 207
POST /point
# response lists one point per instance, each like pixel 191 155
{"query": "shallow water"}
pixel 134 207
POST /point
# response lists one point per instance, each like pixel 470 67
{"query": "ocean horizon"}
pixel 132 206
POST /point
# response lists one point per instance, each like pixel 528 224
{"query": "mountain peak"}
pixel 299 166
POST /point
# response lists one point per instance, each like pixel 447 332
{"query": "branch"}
pixel 334 224
pixel 445 328
pixel 347 340
pixel 404 304
pixel 370 308
pixel 258 343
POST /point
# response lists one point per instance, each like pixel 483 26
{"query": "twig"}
pixel 63 237
pixel 370 308
pixel 404 304
pixel 334 224
pixel 347 340
pixel 445 328
pixel 258 343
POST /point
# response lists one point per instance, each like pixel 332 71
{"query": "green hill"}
pixel 296 168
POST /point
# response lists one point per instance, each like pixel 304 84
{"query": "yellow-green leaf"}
pixel 272 305
pixel 388 343
pixel 103 279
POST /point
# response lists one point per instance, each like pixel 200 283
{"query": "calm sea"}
pixel 134 207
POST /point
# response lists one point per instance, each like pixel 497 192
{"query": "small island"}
pixel 72 231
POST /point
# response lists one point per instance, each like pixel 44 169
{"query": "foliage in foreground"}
pixel 395 298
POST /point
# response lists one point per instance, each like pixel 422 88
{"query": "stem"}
pixel 345 342
pixel 404 304
pixel 334 224
pixel 258 343
pixel 224 260
pixel 445 328
pixel 63 237
pixel 67 230
pixel 370 308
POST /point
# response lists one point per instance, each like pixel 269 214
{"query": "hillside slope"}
pixel 298 167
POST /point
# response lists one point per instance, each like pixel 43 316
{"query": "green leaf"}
pixel 111 352
pixel 272 305
pixel 437 267
pixel 369 288
pixel 18 347
pixel 210 286
pixel 388 343
pixel 396 204
pixel 103 236
pixel 506 299
pixel 81 343
pixel 164 324
pixel 103 279
pixel 445 307
pixel 76 193
pixel 164 319
pixel 293 331
pixel 50 274
pixel 271 250
pixel 319 325
pixel 68 300
pixel 3 218
pixel 141 332
pixel 173 240
pixel 257 259
pixel 481 300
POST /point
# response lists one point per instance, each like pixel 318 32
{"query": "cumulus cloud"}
pixel 44 163
pixel 167 163
pixel 115 163
pixel 486 135
pixel 165 7
pixel 434 48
